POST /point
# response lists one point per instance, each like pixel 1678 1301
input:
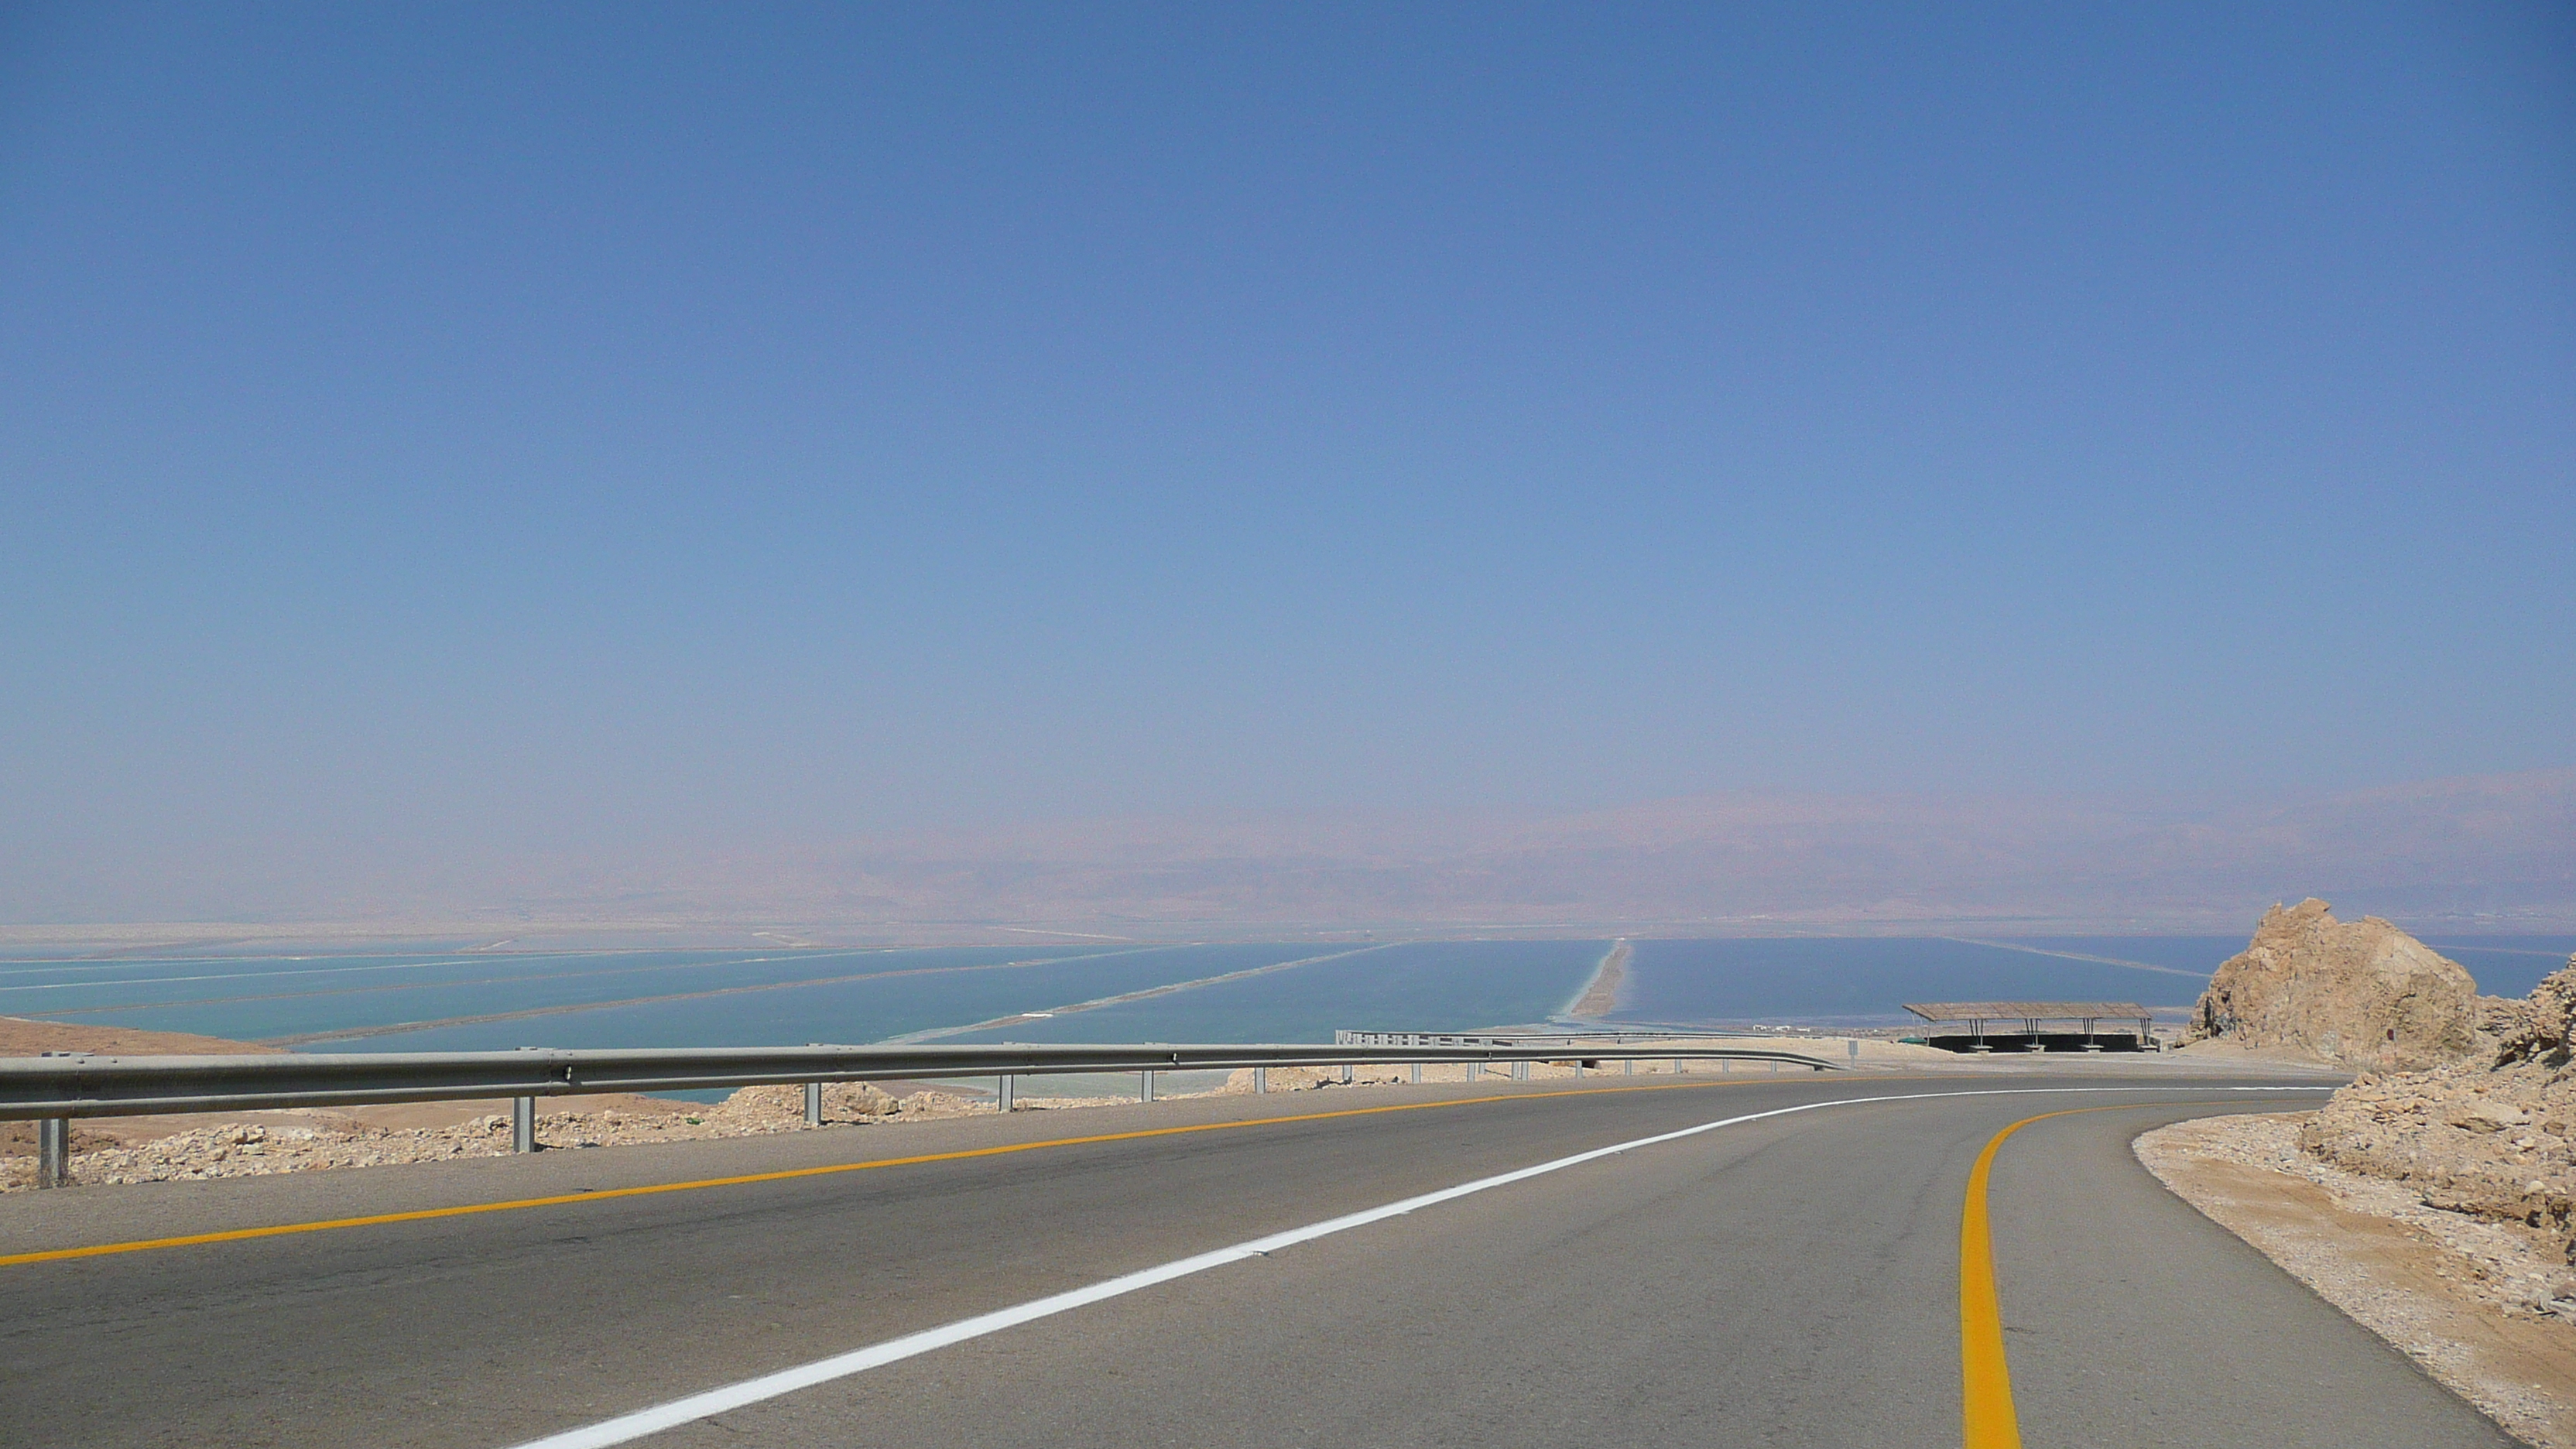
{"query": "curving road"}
pixel 1788 1280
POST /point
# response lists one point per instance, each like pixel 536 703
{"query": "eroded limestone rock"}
pixel 2362 994
pixel 2487 1137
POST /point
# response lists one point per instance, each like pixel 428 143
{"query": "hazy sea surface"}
pixel 2506 965
pixel 583 999
pixel 1852 981
pixel 467 1000
pixel 1412 986
pixel 1415 986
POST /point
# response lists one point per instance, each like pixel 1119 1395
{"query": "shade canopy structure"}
pixel 2030 1011
pixel 2032 1014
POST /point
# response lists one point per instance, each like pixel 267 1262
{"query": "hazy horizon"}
pixel 1833 465
pixel 2480 855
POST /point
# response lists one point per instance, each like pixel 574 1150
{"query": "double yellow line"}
pixel 1987 1418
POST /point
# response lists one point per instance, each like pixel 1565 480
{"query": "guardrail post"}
pixel 1677 1066
pixel 1855 1048
pixel 523 1124
pixel 1261 1079
pixel 1002 1091
pixel 1520 1071
pixel 1346 1073
pixel 1632 1066
pixel 1475 1071
pixel 813 1104
pixel 1145 1091
pixel 53 1152
pixel 1417 1074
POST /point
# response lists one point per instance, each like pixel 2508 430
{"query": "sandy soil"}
pixel 20 1037
pixel 2488 1308
pixel 1603 994
pixel 2227 1049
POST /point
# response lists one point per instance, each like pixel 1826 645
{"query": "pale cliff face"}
pixel 2363 994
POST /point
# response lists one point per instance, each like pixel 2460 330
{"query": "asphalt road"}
pixel 1788 1281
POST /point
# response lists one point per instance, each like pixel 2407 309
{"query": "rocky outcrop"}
pixel 2362 994
pixel 2487 1137
pixel 2538 1027
pixel 2465 1100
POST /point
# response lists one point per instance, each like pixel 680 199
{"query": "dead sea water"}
pixel 1293 991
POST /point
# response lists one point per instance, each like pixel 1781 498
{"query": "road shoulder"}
pixel 2466 1299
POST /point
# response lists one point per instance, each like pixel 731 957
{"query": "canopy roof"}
pixel 2028 1010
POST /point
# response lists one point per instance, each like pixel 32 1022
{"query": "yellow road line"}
pixel 1988 1420
pixel 237 1235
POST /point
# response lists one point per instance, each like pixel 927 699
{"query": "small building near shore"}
pixel 2036 1026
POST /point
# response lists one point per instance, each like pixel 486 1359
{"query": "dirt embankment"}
pixel 20 1037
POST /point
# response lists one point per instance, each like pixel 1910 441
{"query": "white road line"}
pixel 627 1427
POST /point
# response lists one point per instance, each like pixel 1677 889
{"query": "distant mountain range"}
pixel 2492 852
pixel 2489 854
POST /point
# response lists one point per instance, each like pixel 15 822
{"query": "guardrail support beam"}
pixel 54 1152
pixel 1417 1074
pixel 1002 1091
pixel 37 1090
pixel 813 1104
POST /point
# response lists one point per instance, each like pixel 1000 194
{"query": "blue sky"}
pixel 541 426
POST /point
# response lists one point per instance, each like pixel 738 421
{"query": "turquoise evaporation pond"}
pixel 1412 986
pixel 279 997
pixel 694 998
pixel 460 1002
pixel 855 1012
pixel 1857 981
pixel 783 998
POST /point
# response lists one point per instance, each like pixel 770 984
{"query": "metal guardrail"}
pixel 56 1088
pixel 1514 1038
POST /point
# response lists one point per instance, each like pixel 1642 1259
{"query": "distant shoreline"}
pixel 113 941
pixel 1601 993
